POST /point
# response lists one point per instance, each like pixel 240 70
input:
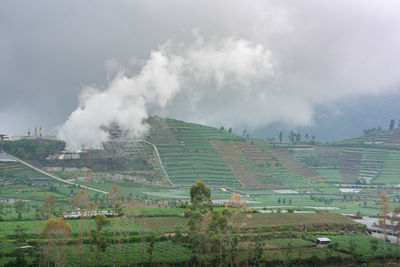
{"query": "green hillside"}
pixel 191 152
pixel 268 173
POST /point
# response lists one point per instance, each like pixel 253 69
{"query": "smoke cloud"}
pixel 201 71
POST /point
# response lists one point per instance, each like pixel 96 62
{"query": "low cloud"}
pixel 174 72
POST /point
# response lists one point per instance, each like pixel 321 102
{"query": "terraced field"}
pixel 318 157
pixel 233 157
pixel 390 171
pixel 187 154
pixel 350 162
pixel 192 152
pixel 206 163
pixel 371 164
pixel 331 175
pixel 385 138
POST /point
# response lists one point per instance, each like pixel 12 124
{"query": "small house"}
pixel 323 242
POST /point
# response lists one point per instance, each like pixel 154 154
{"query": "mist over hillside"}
pixel 321 65
pixel 199 133
pixel 347 119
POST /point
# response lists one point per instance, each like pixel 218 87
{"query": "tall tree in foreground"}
pixel 236 221
pixel 130 212
pixel 385 208
pixel 99 235
pixel 199 215
pixel 115 200
pixel 80 201
pixel 91 209
pixel 218 226
pixel 56 230
pixel 150 248
pixel 20 261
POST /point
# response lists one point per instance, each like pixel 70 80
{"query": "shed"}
pixel 322 242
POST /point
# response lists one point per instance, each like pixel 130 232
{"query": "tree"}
pixel 235 222
pixel 99 235
pixel 218 226
pixel 40 213
pixel 49 205
pixel 20 261
pixel 298 138
pixel 2 210
pixel 130 213
pixel 200 196
pixel 280 137
pixel 199 215
pixel 385 208
pixel 391 126
pixel 80 201
pixel 20 234
pixel 20 207
pixel 91 208
pixel 237 202
pixel 115 200
pixel 259 253
pixel 56 230
pixel 292 136
pixel 230 130
pixel 151 248
pixel 374 245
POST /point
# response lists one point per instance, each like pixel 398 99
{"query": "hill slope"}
pixel 191 152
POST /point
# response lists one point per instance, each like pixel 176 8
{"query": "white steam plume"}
pixel 179 72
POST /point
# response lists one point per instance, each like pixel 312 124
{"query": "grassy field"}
pixel 164 252
pixel 362 246
pixel 282 238
pixel 167 224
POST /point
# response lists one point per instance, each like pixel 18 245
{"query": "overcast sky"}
pixel 332 67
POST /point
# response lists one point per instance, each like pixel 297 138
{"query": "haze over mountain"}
pixel 333 67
